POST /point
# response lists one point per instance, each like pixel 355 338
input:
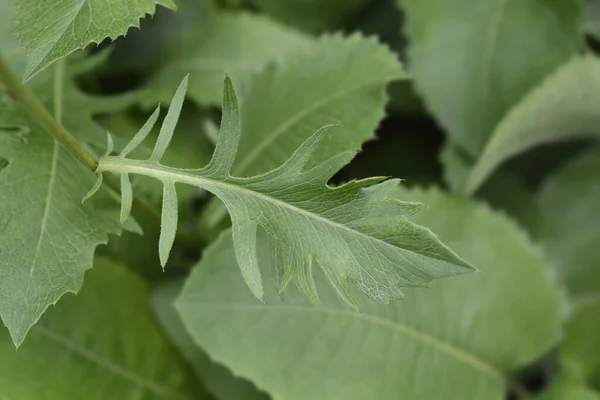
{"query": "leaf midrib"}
pixel 451 349
pixel 160 172
pixel 107 364
pixel 47 204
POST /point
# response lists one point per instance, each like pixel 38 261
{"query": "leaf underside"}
pixel 356 234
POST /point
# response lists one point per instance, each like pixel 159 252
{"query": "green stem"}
pixel 22 95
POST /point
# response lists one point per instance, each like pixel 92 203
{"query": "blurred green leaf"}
pixel 102 344
pixel 581 344
pixel 232 43
pixel 565 106
pixel 458 340
pixel 567 386
pixel 218 380
pixel 50 30
pixel 312 15
pixel 568 204
pixel 473 60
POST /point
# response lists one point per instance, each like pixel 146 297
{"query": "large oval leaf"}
pixel 459 340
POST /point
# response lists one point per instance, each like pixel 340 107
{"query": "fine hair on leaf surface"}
pixel 354 232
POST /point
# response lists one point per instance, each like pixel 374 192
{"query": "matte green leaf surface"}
pixel 566 106
pixel 313 15
pixel 101 344
pixel 581 345
pixel 359 236
pixel 52 29
pixel 47 237
pixel 216 378
pixel 232 43
pixel 338 81
pixel 568 202
pixel 567 386
pixel 458 340
pixel 472 60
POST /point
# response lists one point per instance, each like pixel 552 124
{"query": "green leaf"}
pixel 338 81
pixel 102 344
pixel 581 345
pixel 47 237
pixel 313 15
pixel 459 340
pixel 218 380
pixel 568 203
pixel 357 234
pixel 565 106
pixel 567 386
pixel 50 30
pixel 473 60
pixel 232 43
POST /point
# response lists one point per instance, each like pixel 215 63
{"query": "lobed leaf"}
pixel 338 80
pixel 53 29
pixel 357 234
pixel 460 340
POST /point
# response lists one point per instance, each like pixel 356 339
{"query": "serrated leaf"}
pixel 566 106
pixel 467 57
pixel 217 379
pixel 358 235
pixel 232 43
pixel 53 29
pixel 102 344
pixel 47 237
pixel 568 203
pixel 459 340
pixel 338 81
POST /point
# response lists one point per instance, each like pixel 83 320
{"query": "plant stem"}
pixel 22 95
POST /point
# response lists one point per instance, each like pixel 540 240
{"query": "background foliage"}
pixel 489 111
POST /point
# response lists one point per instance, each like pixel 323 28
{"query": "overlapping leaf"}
pixel 568 203
pixel 217 379
pixel 468 61
pixel 581 345
pixel 102 344
pixel 232 43
pixel 566 106
pixel 459 340
pixel 52 29
pixel 338 80
pixel 357 234
pixel 313 15
pixel 47 238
